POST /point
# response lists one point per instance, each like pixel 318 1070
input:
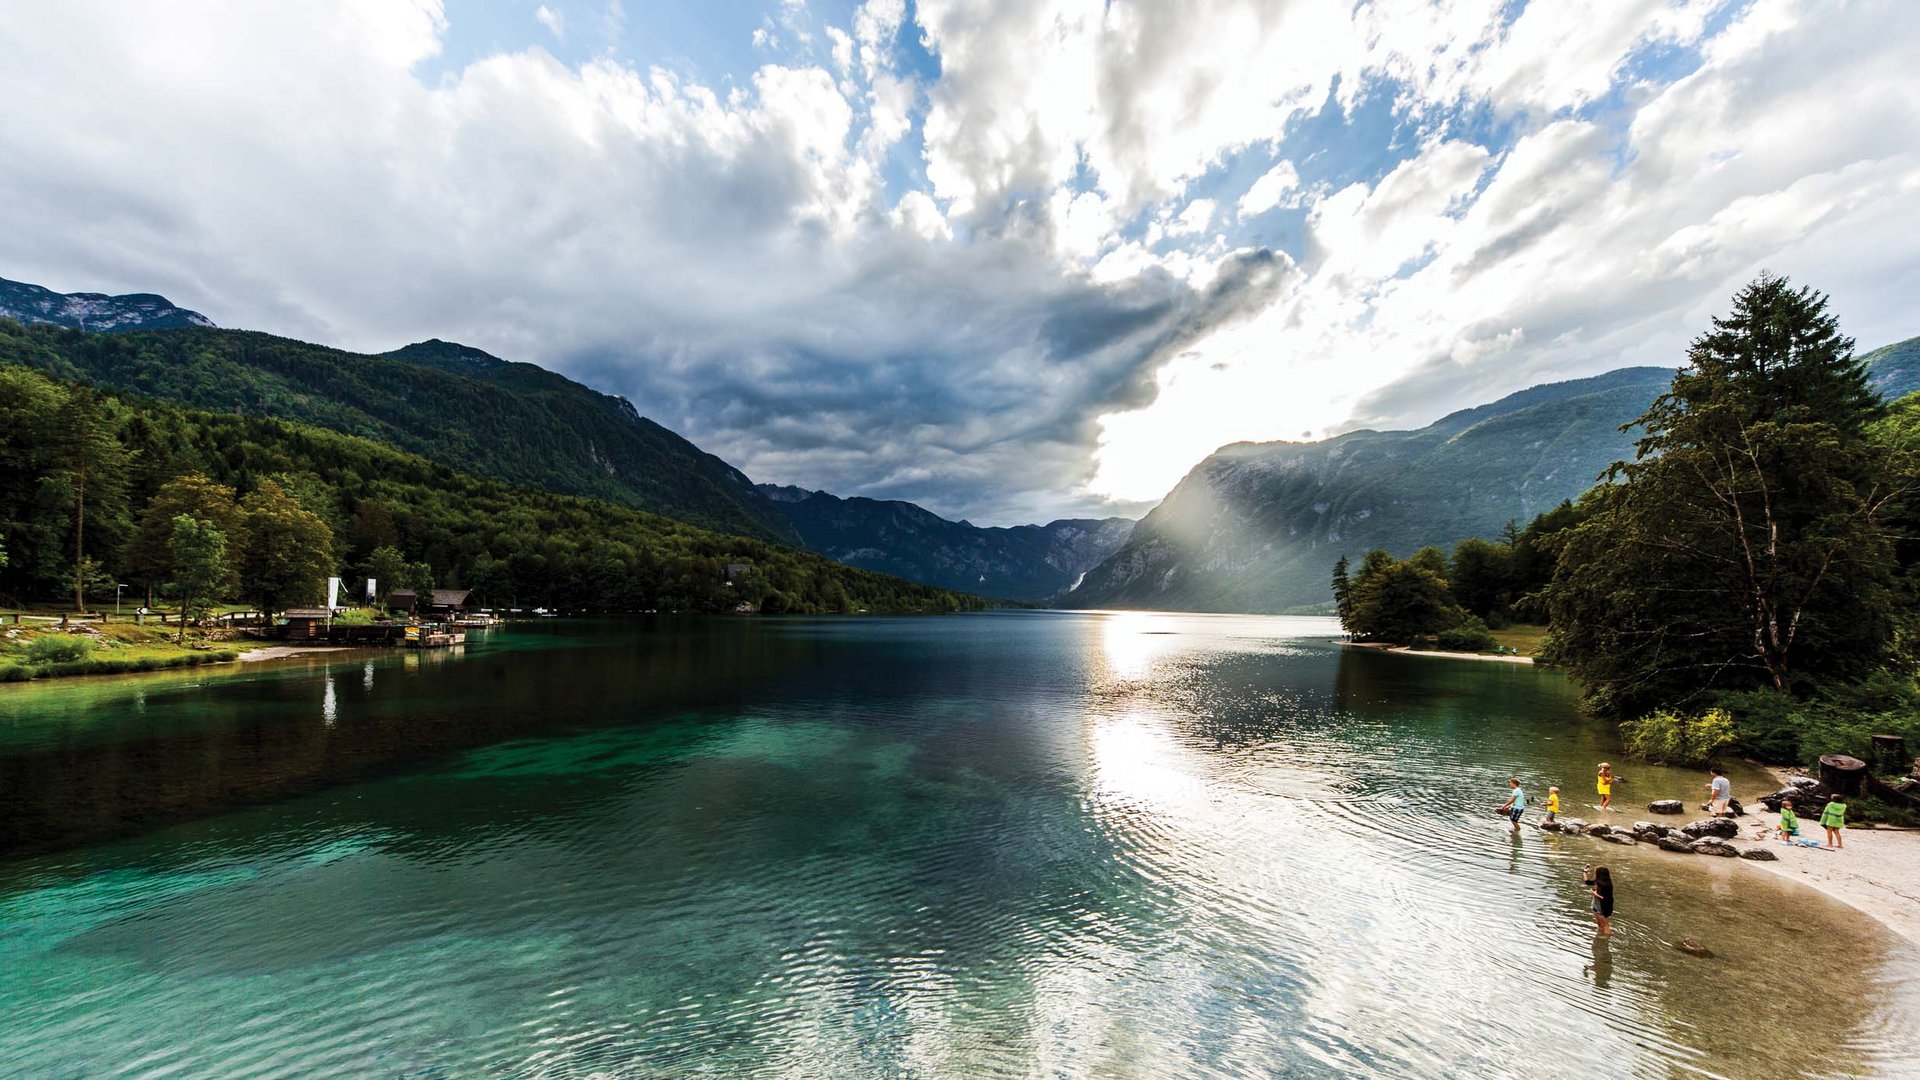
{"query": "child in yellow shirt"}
pixel 1553 803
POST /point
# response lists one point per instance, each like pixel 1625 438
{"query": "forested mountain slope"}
pixel 456 406
pixel 1024 562
pixel 514 545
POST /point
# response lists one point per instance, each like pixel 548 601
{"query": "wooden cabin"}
pixel 445 603
pixel 307 624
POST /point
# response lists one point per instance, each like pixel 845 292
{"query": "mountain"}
pixel 1026 562
pixel 1258 526
pixel 93 311
pixel 1894 370
pixel 448 403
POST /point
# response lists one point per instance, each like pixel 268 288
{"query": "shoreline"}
pixel 1402 650
pixel 288 652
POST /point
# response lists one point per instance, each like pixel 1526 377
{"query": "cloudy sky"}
pixel 1011 260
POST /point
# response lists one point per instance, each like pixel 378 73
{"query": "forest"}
pixel 1747 582
pixel 94 486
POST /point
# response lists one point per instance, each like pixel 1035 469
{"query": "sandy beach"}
pixel 1402 650
pixel 1878 871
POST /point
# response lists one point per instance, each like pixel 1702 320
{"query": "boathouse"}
pixel 402 600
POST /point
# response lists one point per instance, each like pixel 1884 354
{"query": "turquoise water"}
pixel 1008 844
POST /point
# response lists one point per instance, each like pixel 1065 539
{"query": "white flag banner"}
pixel 370 591
pixel 333 593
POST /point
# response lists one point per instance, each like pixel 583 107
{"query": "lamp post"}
pixel 117 590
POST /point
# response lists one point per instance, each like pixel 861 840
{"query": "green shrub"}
pixel 1775 727
pixel 15 673
pixel 1469 636
pixel 1672 738
pixel 57 649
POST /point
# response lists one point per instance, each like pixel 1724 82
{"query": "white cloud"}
pixel 1065 295
pixel 1274 188
pixel 554 21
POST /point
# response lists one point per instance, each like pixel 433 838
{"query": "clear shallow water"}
pixel 1008 844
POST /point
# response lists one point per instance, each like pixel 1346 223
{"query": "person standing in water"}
pixel 1604 784
pixel 1719 793
pixel 1553 804
pixel 1515 805
pixel 1599 883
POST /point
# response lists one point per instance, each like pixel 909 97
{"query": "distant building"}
pixel 446 602
pixel 402 600
pixel 306 623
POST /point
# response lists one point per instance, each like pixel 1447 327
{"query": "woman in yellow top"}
pixel 1605 786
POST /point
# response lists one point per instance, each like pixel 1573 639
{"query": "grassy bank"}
pixel 1521 638
pixel 30 651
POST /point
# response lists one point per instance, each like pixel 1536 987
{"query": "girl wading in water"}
pixel 1599 882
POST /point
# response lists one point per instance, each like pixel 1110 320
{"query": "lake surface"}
pixel 1012 844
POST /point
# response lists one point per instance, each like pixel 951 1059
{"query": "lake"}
pixel 1019 843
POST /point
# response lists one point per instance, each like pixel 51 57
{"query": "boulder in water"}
pixel 1549 826
pixel 1666 806
pixel 1598 829
pixel 1724 828
pixel 1655 828
pixel 1760 854
pixel 1572 825
pixel 1674 843
pixel 1714 846
pixel 1618 837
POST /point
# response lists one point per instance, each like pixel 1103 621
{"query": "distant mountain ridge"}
pixel 1024 562
pixel 1258 526
pixel 93 311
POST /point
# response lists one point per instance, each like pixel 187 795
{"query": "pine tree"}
pixel 1744 545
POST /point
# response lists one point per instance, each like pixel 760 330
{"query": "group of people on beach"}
pixel 1598 880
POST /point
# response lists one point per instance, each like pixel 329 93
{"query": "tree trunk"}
pixel 1889 753
pixel 1842 775
pixel 79 542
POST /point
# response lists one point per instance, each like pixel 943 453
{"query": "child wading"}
pixel 1599 884
pixel 1553 804
pixel 1605 786
pixel 1515 805
pixel 1789 822
pixel 1834 820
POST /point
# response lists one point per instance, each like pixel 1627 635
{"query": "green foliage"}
pixel 1401 602
pixel 289 554
pixel 1673 738
pixel 1470 636
pixel 1745 546
pixel 387 567
pixel 57 649
pixel 1841 719
pixel 197 555
pixel 515 546
pixel 1342 592
pixel 455 406
pixel 150 556
pixel 1481 575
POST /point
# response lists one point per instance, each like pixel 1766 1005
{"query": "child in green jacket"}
pixel 1789 822
pixel 1834 819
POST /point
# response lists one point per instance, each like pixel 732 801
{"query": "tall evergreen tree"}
pixel 1342 592
pixel 91 470
pixel 1744 546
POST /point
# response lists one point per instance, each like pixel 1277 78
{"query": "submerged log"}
pixel 1842 775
